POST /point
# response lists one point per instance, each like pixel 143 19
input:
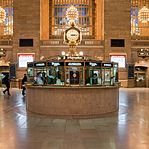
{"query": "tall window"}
pixel 6 19
pixel 58 19
pixel 139 28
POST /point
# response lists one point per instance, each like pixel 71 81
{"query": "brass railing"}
pixel 136 37
pixel 58 42
pixel 139 43
pixel 6 40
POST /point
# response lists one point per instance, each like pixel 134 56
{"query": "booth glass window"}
pixel 115 73
pixel 93 73
pixel 74 76
pixel 107 74
pixel 55 73
pixel 40 73
pixel 73 73
pixel 30 71
pixel 95 76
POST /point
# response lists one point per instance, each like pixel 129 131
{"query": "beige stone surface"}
pixel 72 101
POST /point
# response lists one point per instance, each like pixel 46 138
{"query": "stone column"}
pixel 117 26
pixel 26 26
pixel 44 19
pixel 99 21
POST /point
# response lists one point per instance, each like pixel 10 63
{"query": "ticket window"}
pixel 30 74
pixel 74 76
pixel 95 77
pixel 107 74
pixel 55 75
pixel 30 71
pixel 115 73
pixel 40 73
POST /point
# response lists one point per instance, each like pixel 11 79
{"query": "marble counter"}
pixel 72 101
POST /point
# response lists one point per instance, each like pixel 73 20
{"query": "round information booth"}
pixel 72 86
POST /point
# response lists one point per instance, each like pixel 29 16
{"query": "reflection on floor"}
pixel 128 129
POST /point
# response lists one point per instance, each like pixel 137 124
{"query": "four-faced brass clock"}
pixel 72 36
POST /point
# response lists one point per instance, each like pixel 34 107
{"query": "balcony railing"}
pixel 6 40
pixel 136 37
pixel 140 43
pixel 54 42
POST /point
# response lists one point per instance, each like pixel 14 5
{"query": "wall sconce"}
pixel 2 53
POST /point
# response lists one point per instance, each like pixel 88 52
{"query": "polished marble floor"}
pixel 127 129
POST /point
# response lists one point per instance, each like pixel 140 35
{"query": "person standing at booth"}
pixel 94 79
pixel 24 80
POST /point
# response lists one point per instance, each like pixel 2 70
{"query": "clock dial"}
pixel 72 35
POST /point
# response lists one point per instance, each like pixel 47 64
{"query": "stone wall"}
pixel 117 26
pixel 26 26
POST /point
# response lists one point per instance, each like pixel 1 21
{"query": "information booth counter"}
pixel 72 87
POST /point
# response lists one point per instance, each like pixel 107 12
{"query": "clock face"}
pixel 72 35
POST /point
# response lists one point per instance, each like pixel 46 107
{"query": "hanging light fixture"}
pixel 72 14
pixel 2 15
pixel 143 14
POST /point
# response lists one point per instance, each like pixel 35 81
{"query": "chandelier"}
pixel 72 14
pixel 143 14
pixel 2 15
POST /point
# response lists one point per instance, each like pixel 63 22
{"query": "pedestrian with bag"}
pixel 6 81
pixel 24 80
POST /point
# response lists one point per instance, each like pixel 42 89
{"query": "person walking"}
pixel 7 83
pixel 24 80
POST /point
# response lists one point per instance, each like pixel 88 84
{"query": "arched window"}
pixel 6 19
pixel 139 28
pixel 58 21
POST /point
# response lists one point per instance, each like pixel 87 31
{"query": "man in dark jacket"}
pixel 24 80
pixel 7 83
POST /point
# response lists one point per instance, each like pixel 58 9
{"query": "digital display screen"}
pixel 24 58
pixel 120 59
pixel 26 42
pixel 117 43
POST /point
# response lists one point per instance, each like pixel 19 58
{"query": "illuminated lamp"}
pixel 81 53
pixel 143 14
pixel 72 14
pixel 63 53
pixel 2 53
